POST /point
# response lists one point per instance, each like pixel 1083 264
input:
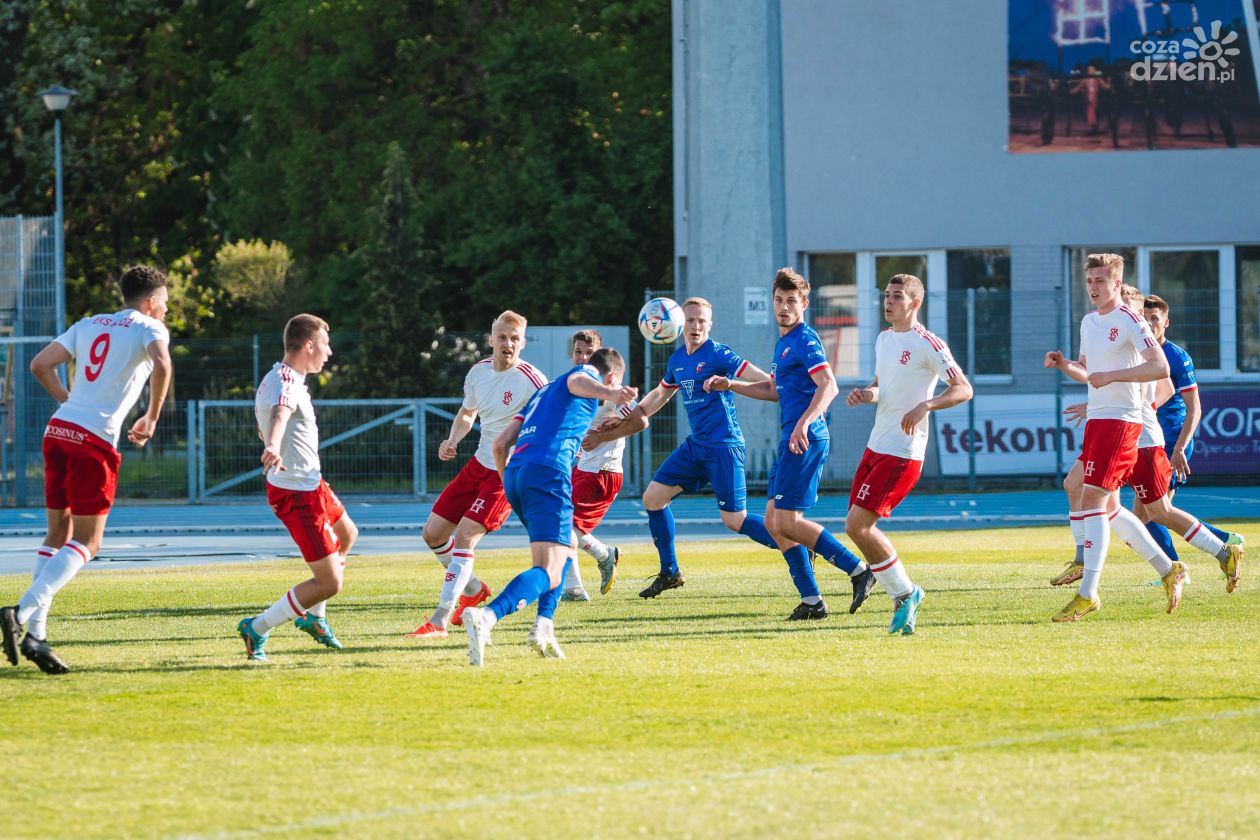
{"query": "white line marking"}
pixel 354 817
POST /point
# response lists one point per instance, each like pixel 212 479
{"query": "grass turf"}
pixel 699 714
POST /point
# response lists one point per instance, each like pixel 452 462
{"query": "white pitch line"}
pixel 354 817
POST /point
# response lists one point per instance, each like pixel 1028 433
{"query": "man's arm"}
pixel 276 423
pixel 159 381
pixel 590 388
pixel 1163 391
pixel 1194 413
pixel 460 427
pixel 752 373
pixel 44 369
pixel 633 423
pixel 761 389
pixel 1154 367
pixel 958 392
pixel 1074 370
pixel 504 443
pixel 824 392
pixel 869 394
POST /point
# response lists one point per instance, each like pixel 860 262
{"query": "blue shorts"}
pixel 543 500
pixel 694 465
pixel 794 478
pixel 1169 445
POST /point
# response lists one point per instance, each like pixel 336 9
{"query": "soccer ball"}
pixel 661 321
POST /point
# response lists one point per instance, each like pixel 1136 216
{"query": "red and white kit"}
pixel 477 490
pixel 597 477
pixel 300 497
pixel 1152 474
pixel 907 367
pixel 1114 341
pixel 112 365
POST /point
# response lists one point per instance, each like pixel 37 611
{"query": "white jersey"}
pixel 607 456
pixel 907 367
pixel 497 396
pixel 299 448
pixel 112 364
pixel 1152 432
pixel 1115 341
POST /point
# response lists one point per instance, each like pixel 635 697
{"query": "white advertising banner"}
pixel 1013 434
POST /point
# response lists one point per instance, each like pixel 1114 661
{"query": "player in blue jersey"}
pixel 802 383
pixel 1179 420
pixel 713 454
pixel 535 454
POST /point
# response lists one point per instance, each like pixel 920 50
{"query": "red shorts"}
pixel 309 515
pixel 1109 452
pixel 593 495
pixel 476 493
pixel 1151 475
pixel 883 481
pixel 80 470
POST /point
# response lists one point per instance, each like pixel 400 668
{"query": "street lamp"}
pixel 56 98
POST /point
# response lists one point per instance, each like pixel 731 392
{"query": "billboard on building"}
pixel 1116 75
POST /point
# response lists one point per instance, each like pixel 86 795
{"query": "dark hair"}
pixel 787 280
pixel 140 282
pixel 301 329
pixel 590 337
pixel 606 360
pixel 1157 303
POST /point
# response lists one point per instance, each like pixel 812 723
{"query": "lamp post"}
pixel 56 98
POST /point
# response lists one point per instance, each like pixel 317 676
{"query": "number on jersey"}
pixel 96 357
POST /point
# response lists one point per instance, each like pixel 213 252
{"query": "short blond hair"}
pixel 697 301
pixel 301 329
pixel 1113 262
pixel 1132 293
pixel 509 318
pixel 912 285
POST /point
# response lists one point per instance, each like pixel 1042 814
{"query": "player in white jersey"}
pixel 1117 355
pixel 474 503
pixel 1151 481
pixel 597 479
pixel 296 489
pixel 908 362
pixel 115 355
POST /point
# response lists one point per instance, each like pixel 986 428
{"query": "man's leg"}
pixel 798 563
pixel 861 526
pixel 656 499
pixel 796 527
pixel 459 573
pixel 545 575
pixel 1228 554
pixel 53 570
pixel 325 582
pixel 315 621
pixel 59 525
pixel 1072 487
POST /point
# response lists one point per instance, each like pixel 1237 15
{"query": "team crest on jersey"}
pixel 699 367
pixel 507 397
pixel 1113 335
pixel 783 355
pixel 905 357
pixel 688 386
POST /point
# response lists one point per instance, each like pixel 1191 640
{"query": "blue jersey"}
pixel 797 356
pixel 712 415
pixel 554 422
pixel 1172 414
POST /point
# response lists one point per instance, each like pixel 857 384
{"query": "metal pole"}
pixel 60 247
pixel 416 452
pixel 19 393
pixel 1059 319
pixel 422 442
pixel 645 439
pixel 971 403
pixel 192 451
pixel 257 377
pixel 201 451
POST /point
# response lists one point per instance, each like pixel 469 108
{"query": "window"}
pixel 987 272
pixel 833 278
pixel 1190 282
pixel 1076 283
pixel 1247 303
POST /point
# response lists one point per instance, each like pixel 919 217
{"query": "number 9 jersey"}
pixel 112 365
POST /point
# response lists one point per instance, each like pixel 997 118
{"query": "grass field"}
pixel 700 714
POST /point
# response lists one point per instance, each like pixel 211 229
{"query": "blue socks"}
pixel 1223 536
pixel 754 527
pixel 524 589
pixel 837 555
pixel 802 570
pixel 1163 539
pixel 661 526
pixel 549 600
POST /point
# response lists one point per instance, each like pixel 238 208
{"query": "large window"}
pixel 1190 281
pixel 1247 302
pixel 833 278
pixel 986 274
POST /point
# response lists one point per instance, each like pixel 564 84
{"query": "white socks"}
pixel 57 572
pixel 282 611
pixel 1204 540
pixel 38 624
pixel 573 580
pixel 1096 536
pixel 591 546
pixel 1130 529
pixel 458 574
pixel 892 576
pixel 444 553
pixel 1077 523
